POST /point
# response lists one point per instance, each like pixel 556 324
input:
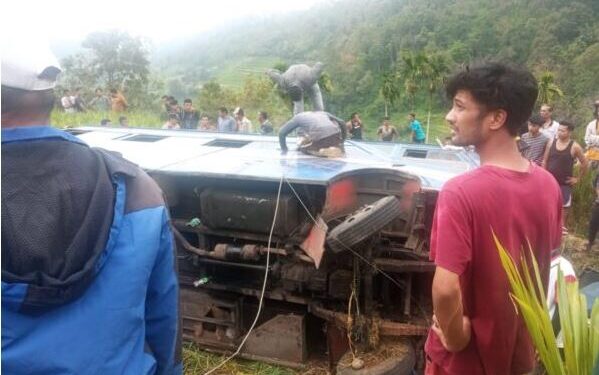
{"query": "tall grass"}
pixel 91 118
pixel 581 332
pixel 197 362
pixel 583 196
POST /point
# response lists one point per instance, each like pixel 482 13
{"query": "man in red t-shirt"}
pixel 475 327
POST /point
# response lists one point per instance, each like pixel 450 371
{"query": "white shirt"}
pixel 551 131
pixel 66 102
pixel 245 126
pixel 591 138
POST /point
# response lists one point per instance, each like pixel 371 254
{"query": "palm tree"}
pixel 389 90
pixel 435 71
pixel 411 72
pixel 548 89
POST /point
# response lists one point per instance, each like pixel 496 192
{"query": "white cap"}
pixel 28 66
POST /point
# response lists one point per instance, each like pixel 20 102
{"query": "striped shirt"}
pixel 536 147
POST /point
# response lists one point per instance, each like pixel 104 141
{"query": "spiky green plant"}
pixel 581 333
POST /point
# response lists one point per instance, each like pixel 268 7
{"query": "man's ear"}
pixel 497 118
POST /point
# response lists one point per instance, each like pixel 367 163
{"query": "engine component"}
pixel 363 224
pixel 340 284
pixel 298 277
pixel 248 211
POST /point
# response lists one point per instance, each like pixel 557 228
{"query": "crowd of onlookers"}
pixel 186 116
pixel 549 144
pixel 72 101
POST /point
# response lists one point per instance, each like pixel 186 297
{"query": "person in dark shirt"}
pixel 79 103
pixel 100 102
pixel 321 134
pixel 189 116
pixel 560 155
pixel 354 127
pixel 534 141
pixel 265 125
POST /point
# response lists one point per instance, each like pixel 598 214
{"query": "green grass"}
pixel 439 128
pixel 233 75
pixel 136 118
pixel 197 362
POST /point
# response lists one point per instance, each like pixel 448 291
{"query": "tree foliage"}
pixel 113 59
pixel 117 58
pixel 548 89
pixel 389 90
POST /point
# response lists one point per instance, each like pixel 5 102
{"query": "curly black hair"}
pixel 496 85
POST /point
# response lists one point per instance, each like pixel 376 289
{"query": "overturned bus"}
pixel 298 257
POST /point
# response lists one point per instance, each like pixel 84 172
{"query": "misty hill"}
pixel 361 40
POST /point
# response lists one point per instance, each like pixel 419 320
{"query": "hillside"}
pixel 361 40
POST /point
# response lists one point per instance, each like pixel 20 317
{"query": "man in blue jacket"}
pixel 88 268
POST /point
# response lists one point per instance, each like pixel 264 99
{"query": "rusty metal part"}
pixel 397 265
pixel 187 246
pixel 219 252
pixel 210 321
pixel 251 252
pixel 223 263
pixel 281 338
pixel 223 251
pixel 314 243
pixel 274 294
pixel 386 327
pixel 337 344
pixel 215 324
pixel 180 224
pixel 304 258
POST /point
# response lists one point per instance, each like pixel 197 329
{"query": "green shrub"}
pixel 580 332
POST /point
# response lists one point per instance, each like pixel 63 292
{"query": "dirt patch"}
pixel 388 348
pixel 574 249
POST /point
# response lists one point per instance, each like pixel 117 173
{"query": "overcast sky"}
pixel 56 20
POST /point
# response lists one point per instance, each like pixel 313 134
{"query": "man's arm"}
pixel 285 130
pixel 124 101
pixel 584 164
pixel 276 76
pixel 449 322
pixel 162 306
pixel 546 153
pixel 451 250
